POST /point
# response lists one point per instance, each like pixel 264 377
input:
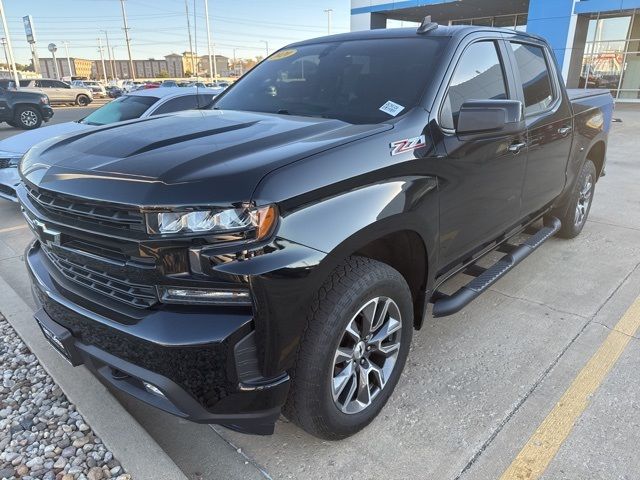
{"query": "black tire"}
pixel 576 213
pixel 82 100
pixel 12 123
pixel 353 285
pixel 27 117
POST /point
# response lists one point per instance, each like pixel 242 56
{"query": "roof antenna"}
pixel 427 25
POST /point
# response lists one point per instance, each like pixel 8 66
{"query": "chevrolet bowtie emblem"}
pixel 46 234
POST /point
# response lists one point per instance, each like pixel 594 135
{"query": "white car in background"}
pixel 140 104
pixel 96 87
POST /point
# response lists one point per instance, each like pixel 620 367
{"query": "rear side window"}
pixel 535 77
pixel 478 76
pixel 25 83
pixel 185 102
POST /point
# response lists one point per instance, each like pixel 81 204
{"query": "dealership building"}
pixel 596 42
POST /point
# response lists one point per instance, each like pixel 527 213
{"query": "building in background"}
pixel 596 42
pixel 80 67
pixel 170 66
pixel 222 66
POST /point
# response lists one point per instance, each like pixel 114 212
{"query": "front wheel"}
pixel 574 219
pixel 27 117
pixel 82 100
pixel 353 351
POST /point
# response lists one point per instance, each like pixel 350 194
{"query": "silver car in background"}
pixel 140 104
pixel 96 87
pixel 58 91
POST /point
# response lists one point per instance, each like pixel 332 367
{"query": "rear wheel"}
pixel 574 219
pixel 82 100
pixel 27 117
pixel 353 351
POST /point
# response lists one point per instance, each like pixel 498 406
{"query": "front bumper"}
pixel 204 363
pixel 9 180
pixel 47 113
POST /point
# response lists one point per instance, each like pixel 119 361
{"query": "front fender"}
pixel 312 240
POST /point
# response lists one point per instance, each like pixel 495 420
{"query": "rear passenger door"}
pixel 48 88
pixel 549 123
pixel 481 178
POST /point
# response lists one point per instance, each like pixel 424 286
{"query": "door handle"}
pixel 564 131
pixel 516 147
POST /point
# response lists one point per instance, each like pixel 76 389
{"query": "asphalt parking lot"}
pixel 481 391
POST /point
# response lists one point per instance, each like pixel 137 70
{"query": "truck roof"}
pixel 441 31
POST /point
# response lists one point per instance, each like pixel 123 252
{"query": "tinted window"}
pixel 25 83
pixel 60 85
pixel 186 102
pixel 534 74
pixel 47 83
pixel 350 80
pixel 478 76
pixel 120 109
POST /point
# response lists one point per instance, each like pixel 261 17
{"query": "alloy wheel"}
pixel 28 118
pixel 366 355
pixel 584 200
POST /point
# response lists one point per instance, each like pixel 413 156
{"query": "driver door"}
pixel 481 175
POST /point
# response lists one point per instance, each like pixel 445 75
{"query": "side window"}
pixel 535 77
pixel 478 76
pixel 61 85
pixel 47 84
pixel 186 102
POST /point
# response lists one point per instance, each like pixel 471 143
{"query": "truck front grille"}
pixel 74 209
pixel 117 288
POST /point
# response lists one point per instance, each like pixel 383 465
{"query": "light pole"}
pixel 106 36
pixel 235 62
pixel 66 49
pixel 132 72
pixel 266 46
pixel 4 47
pixel 104 68
pixel 53 48
pixel 329 11
pixel 115 70
pixel 8 39
pixel 213 68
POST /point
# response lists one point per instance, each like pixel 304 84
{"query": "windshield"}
pixel 123 108
pixel 357 81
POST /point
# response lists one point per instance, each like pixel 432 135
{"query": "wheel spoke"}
pixel 364 392
pixel 389 328
pixel 343 354
pixel 341 380
pixel 378 374
pixel 353 331
pixel 368 317
pixel 380 315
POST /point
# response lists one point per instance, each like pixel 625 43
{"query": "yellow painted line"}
pixel 543 445
pixel 11 229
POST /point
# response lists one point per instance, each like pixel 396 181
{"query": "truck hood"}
pixel 24 141
pixel 196 157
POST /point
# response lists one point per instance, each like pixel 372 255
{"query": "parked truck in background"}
pixel 275 253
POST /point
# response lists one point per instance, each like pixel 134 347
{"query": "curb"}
pixel 131 445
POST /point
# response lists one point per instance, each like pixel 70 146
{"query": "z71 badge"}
pixel 407 145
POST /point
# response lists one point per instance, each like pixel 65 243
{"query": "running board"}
pixel 444 305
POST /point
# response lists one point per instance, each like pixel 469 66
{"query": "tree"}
pixel 163 74
pixel 188 73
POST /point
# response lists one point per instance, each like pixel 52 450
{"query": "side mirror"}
pixel 490 117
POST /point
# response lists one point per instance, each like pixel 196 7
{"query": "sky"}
pixel 159 27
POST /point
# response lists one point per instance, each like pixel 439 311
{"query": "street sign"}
pixel 28 29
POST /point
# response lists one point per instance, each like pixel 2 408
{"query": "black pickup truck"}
pixel 274 253
pixel 26 110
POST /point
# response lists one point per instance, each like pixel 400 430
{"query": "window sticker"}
pixel 282 54
pixel 391 108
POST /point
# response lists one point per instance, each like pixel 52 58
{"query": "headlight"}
pixel 256 222
pixel 44 100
